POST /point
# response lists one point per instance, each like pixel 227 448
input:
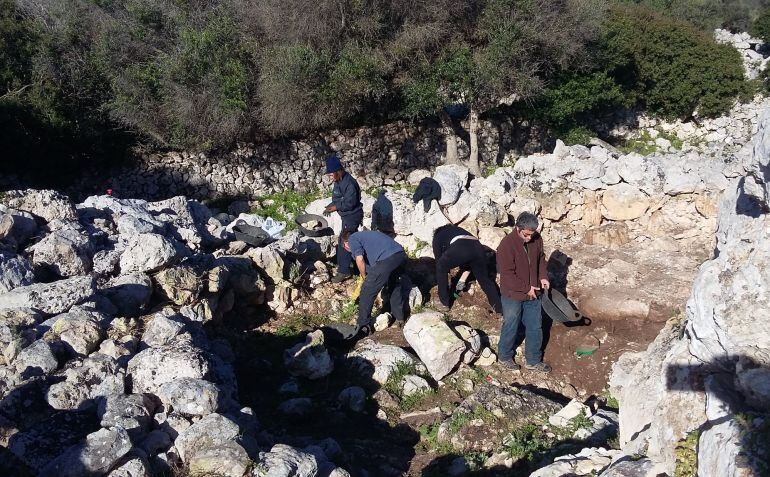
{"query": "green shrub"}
pixel 760 27
pixel 677 68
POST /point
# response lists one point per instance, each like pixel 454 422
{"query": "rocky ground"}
pixel 140 338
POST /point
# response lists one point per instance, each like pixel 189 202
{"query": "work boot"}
pixel 399 324
pixel 510 364
pixel 540 367
pixel 441 307
pixel 340 277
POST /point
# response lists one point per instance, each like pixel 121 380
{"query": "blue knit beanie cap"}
pixel 333 164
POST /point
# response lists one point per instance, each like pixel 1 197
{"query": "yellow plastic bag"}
pixel 357 292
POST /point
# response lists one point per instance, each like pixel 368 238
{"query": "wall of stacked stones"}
pixel 381 155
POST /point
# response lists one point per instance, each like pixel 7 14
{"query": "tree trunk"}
pixel 473 128
pixel 451 139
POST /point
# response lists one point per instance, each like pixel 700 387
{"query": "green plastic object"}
pixel 588 347
pixel 585 351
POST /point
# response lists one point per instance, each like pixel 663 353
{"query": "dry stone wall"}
pixel 379 155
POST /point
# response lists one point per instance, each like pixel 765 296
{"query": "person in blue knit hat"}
pixel 346 201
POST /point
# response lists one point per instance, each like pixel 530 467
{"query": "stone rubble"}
pixel 136 392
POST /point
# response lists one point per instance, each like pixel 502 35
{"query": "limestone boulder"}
pixel 424 224
pixel 524 204
pixel 413 385
pixel 147 253
pixel 269 261
pixel 378 361
pixel 434 342
pixel 46 204
pixel 210 432
pixel 284 460
pixel 624 202
pixel 15 271
pixel 352 398
pixel 79 329
pixel 100 452
pixel 132 412
pixel 228 459
pixel 129 293
pixel 641 172
pixel 51 298
pixel 190 396
pixel 85 381
pixel 498 187
pixel 180 284
pixel 134 467
pixel 6 225
pixel 66 251
pixel 452 178
pixel 162 330
pixel 154 367
pixel 309 359
pixel 587 462
pixel 609 235
pixel 36 359
pixel 491 236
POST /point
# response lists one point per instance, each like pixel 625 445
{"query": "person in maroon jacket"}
pixel 521 264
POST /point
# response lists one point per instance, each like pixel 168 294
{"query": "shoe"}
pixel 540 367
pixel 441 307
pixel 399 324
pixel 340 277
pixel 510 364
pixel 362 332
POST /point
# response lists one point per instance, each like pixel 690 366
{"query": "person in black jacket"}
pixel 346 201
pixel 453 247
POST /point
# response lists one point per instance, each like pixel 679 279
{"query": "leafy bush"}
pixel 677 69
pixel 760 27
pixel 707 15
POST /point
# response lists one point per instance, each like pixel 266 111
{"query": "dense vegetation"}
pixel 83 79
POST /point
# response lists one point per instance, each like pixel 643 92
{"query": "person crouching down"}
pixel 522 268
pixel 453 247
pixel 380 260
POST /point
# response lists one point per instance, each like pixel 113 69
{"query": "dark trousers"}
pixel 384 275
pixel 516 313
pixel 349 222
pixel 468 255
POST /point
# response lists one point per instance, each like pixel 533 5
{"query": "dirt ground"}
pixel 572 375
pixel 394 447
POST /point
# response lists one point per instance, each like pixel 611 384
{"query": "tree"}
pixel 502 49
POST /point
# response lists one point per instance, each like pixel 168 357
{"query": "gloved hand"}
pixel 357 291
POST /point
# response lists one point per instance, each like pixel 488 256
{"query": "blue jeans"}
pixel 514 313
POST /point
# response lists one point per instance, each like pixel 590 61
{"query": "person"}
pixel 453 247
pixel 522 267
pixel 380 260
pixel 346 201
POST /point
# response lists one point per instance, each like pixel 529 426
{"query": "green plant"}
pixel 429 435
pixel 526 442
pixel 760 27
pixel 288 330
pixel 286 205
pixel 687 456
pixel 677 69
pixel 348 311
pixel 581 421
pixel 610 401
pixel 755 435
